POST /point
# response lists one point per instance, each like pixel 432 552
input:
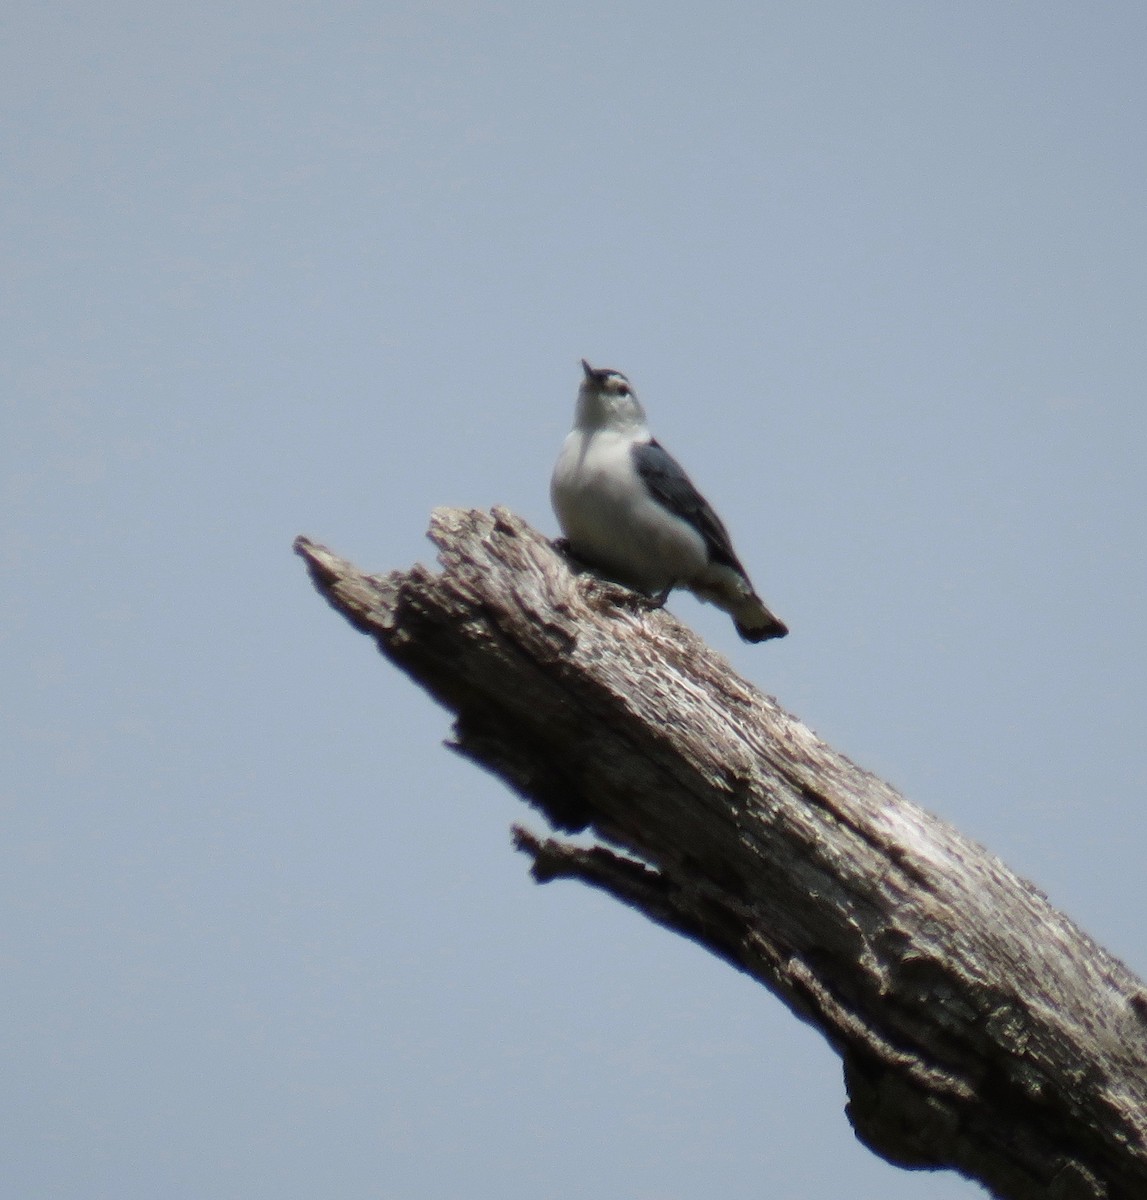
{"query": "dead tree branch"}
pixel 980 1028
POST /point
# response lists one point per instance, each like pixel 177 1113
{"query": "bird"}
pixel 628 510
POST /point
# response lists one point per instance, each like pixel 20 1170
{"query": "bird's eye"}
pixel 623 389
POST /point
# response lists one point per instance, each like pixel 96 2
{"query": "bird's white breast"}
pixel 612 522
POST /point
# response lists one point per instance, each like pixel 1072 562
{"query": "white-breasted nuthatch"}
pixel 628 509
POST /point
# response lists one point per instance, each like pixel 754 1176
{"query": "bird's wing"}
pixel 664 476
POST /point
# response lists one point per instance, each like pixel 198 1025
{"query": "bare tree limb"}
pixel 980 1029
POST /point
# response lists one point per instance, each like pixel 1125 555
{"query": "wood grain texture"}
pixel 980 1029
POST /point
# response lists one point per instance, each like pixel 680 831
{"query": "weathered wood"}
pixel 980 1029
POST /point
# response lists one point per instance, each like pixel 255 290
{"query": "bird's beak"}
pixel 589 371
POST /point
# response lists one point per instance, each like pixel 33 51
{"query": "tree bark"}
pixel 980 1029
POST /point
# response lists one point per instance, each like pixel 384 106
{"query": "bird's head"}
pixel 606 400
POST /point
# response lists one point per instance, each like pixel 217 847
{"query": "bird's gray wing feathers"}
pixel 664 476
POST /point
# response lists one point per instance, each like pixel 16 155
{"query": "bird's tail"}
pixel 754 621
pixel 730 589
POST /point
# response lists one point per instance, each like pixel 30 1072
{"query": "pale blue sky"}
pixel 876 271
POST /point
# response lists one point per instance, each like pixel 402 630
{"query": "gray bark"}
pixel 980 1029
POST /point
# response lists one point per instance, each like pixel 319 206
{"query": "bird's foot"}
pixel 620 593
pixel 659 600
pixel 563 547
pixel 642 601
